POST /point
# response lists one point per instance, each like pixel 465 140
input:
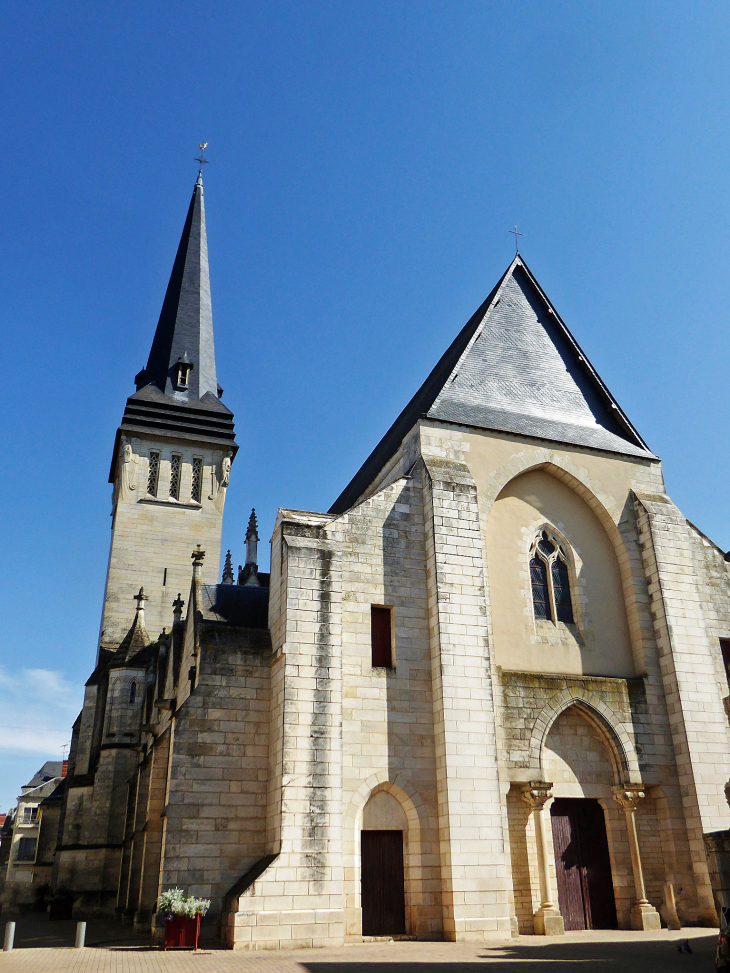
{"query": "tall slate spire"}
pixel 178 395
pixel 184 332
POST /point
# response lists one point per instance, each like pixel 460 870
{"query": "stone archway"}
pixel 414 815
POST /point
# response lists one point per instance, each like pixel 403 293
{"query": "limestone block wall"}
pixel 297 901
pixel 152 537
pixel 387 715
pixel 687 659
pixel 713 574
pixel 474 873
pixel 215 814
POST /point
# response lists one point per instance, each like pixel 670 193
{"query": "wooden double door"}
pixel 583 865
pixel 382 883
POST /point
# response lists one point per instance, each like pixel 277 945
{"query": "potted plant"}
pixel 181 914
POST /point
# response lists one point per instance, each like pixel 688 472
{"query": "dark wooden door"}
pixel 382 883
pixel 583 866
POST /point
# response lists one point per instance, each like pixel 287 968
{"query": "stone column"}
pixel 643 913
pixel 547 919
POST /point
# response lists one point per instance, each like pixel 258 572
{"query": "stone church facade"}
pixel 483 694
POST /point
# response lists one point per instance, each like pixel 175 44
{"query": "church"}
pixel 485 693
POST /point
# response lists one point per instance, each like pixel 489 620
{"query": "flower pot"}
pixel 182 932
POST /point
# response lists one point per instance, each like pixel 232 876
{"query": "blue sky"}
pixel 367 160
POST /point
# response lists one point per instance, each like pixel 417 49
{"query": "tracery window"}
pixel 175 467
pixel 550 579
pixel 197 479
pixel 153 474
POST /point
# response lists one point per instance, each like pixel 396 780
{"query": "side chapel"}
pixel 484 693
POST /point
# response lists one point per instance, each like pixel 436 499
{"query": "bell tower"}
pixel 173 451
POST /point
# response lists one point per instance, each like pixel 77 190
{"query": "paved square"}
pixel 602 952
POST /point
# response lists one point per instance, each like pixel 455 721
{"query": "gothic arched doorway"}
pixel 382 873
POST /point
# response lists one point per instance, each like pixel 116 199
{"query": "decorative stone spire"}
pixel 177 607
pixel 248 574
pixel 140 598
pixel 228 570
pixel 198 557
pixel 182 357
pixel 252 539
pixel 137 637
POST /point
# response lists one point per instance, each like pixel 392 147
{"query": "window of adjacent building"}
pixel 381 636
pixel 197 487
pixel 725 649
pixel 26 849
pixel 550 579
pixel 175 469
pixel 153 475
pixel 30 815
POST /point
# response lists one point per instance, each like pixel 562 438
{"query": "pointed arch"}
pixel 416 818
pixel 608 510
pixel 592 708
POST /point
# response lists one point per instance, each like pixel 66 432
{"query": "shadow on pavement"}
pixel 635 956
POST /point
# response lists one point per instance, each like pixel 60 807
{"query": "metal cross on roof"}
pixel 201 158
pixel 517 242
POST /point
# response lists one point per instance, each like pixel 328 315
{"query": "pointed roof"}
pixel 516 368
pixel 161 406
pixel 185 328
pixel 136 638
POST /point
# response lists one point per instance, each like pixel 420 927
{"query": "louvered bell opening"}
pixel 540 597
pixel 561 590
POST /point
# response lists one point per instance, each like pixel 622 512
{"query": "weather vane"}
pixel 517 242
pixel 201 158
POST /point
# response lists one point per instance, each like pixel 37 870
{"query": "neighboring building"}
pixel 482 694
pixel 31 840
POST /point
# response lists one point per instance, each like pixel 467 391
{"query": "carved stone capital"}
pixel 536 793
pixel 628 796
pixel 727 792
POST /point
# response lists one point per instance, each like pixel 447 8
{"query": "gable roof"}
pixel 516 368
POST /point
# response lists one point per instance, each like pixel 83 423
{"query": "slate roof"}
pixel 185 327
pixel 242 606
pixel 184 331
pixel 49 770
pixel 516 368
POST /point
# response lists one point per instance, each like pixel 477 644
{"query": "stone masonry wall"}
pixel 216 801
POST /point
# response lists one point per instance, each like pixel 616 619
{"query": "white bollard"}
pixel 80 935
pixel 9 936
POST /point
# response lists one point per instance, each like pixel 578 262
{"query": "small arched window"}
pixel 550 580
pixel 133 692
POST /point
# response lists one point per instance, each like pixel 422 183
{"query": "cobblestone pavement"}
pixel 590 952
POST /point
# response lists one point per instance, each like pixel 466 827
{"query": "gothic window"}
pixel 133 692
pixel 153 474
pixel 175 468
pixel 197 479
pixel 540 593
pixel 550 579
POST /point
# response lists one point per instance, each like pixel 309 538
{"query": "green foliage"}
pixel 174 902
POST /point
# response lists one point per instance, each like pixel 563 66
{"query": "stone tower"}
pixel 173 451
